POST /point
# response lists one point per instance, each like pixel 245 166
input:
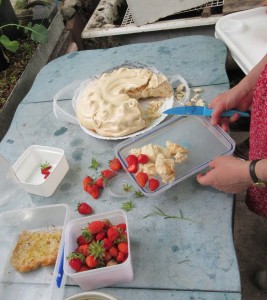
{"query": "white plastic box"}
pixel 39 284
pixel 203 141
pixel 27 169
pixel 244 33
pixel 101 277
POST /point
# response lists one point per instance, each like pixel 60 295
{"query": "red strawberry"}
pixel 113 233
pixel 115 164
pixel 114 251
pixel 86 181
pixel 91 261
pixel 122 226
pixel 131 159
pixel 141 178
pixel 153 184
pixel 123 247
pixel 100 182
pixel 93 190
pixel 83 249
pixel 101 235
pixel 81 240
pixel 84 208
pixel 108 173
pixel 45 168
pixel 46 175
pixel 107 244
pixel 75 260
pixel 107 256
pixel 120 257
pixel 143 159
pixel 83 268
pixel 132 168
pixel 95 226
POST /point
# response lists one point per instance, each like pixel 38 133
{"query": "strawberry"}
pixel 84 208
pixel 45 168
pixel 107 256
pixel 83 268
pixel 121 257
pixel 91 262
pixel 93 190
pixel 143 159
pixel 115 164
pixel 132 168
pixel 100 235
pixel 122 226
pixel 75 260
pixel 153 184
pixel 46 175
pixel 113 233
pixel 123 247
pixel 141 178
pixel 95 226
pixel 131 159
pixel 107 244
pixel 87 235
pixel 100 182
pixel 111 262
pixel 108 173
pixel 113 251
pixel 81 240
pixel 86 181
pixel 83 249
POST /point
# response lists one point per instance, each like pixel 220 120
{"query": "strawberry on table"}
pixel 108 173
pixel 84 208
pixel 115 164
pixel 141 178
pixel 100 182
pixel 93 190
pixel 87 181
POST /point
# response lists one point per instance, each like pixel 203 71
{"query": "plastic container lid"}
pixel 244 33
pixel 203 141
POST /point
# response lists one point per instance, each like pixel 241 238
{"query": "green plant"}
pixel 39 34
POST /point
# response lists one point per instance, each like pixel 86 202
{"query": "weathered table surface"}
pixel 193 260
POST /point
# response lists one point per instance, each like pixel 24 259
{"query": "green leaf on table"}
pixel 8 44
pixel 39 33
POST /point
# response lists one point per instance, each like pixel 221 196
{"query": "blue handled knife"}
pixel 201 111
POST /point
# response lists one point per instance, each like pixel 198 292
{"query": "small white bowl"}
pixel 27 168
pixel 100 277
pixel 91 296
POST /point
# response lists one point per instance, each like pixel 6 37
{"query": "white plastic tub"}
pixel 27 169
pixel 101 277
pixel 244 33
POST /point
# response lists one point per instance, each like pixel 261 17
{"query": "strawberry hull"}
pixel 100 277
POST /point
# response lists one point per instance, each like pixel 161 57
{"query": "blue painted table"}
pixel 196 260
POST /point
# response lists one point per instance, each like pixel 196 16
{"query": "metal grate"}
pixel 128 19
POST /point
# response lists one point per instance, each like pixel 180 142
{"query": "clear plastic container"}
pixel 13 195
pixel 203 141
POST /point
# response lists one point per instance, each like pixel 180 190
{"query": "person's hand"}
pixel 227 174
pixel 232 99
